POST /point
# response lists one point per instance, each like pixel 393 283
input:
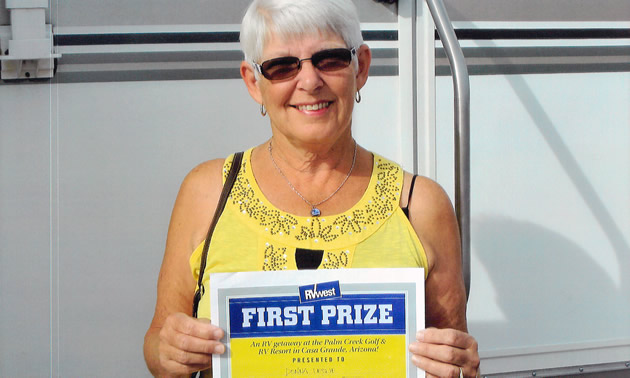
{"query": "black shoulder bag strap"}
pixel 225 193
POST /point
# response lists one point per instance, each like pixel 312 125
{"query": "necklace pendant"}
pixel 315 212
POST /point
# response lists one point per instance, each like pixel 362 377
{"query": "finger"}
pixel 182 362
pixel 184 357
pixel 450 337
pixel 201 328
pixel 194 344
pixel 188 343
pixel 435 368
pixel 178 369
pixel 177 333
pixel 442 353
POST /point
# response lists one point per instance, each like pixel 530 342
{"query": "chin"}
pixel 320 137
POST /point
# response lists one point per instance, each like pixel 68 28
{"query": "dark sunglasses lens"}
pixel 280 68
pixel 332 60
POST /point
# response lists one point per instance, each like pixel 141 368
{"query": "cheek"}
pixel 347 98
pixel 276 96
pixel 349 88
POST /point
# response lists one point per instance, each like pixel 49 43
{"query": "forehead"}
pixel 304 42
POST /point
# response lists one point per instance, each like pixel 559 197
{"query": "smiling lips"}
pixel 313 107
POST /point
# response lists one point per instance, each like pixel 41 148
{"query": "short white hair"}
pixel 295 19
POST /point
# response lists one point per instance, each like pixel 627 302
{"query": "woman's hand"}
pixel 186 344
pixel 442 352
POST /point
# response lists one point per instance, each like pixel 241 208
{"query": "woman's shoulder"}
pixel 432 216
pixel 197 198
pixel 423 193
pixel 203 184
pixel 204 176
pixel 428 192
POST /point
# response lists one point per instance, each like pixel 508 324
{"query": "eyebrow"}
pixel 293 55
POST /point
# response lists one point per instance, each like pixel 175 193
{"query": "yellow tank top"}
pixel 253 235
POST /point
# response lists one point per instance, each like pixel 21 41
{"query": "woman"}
pixel 305 65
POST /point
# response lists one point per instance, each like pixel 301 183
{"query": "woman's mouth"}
pixel 313 107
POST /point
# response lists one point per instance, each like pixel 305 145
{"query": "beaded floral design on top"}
pixel 275 258
pixel 377 205
pixel 336 260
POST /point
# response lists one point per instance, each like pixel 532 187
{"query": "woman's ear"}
pixel 249 77
pixel 364 56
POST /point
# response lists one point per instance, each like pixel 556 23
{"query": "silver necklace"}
pixel 314 210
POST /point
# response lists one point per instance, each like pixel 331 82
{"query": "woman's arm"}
pixel 177 344
pixel 442 350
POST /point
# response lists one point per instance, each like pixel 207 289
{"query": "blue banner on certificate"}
pixel 318 323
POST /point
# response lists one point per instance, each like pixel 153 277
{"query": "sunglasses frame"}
pixel 259 67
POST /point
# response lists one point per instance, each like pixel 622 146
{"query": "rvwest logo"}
pixel 319 291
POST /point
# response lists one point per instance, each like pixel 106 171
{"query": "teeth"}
pixel 319 106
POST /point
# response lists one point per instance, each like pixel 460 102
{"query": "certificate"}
pixel 318 323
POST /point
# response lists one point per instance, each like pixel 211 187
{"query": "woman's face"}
pixel 313 107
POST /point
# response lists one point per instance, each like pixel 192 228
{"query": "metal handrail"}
pixel 461 87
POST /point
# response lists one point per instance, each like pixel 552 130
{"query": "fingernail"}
pixel 420 335
pixel 218 334
pixel 219 349
pixel 415 359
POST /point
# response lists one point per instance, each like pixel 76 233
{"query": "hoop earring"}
pixel 357 97
pixel 263 111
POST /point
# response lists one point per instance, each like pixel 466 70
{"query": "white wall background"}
pixel 550 167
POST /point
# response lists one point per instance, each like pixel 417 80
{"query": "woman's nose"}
pixel 309 78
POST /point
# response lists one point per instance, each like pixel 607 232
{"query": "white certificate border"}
pixel 225 286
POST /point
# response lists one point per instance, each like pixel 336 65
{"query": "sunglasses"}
pixel 287 67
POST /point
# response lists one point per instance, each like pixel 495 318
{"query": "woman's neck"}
pixel 305 159
pixel 331 178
